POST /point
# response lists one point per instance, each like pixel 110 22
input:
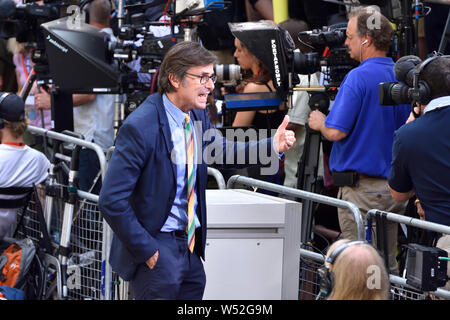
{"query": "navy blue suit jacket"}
pixel 140 184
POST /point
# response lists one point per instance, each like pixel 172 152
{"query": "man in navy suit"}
pixel 144 194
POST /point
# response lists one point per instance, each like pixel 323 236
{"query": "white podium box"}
pixel 252 247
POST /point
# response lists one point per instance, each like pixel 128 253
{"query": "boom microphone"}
pixel 404 69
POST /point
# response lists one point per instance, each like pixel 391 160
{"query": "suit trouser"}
pixel 177 275
pixel 371 193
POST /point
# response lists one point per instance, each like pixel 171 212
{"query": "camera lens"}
pixel 227 72
pixel 393 93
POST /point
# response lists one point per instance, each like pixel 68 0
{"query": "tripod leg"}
pixel 445 40
pixel 307 179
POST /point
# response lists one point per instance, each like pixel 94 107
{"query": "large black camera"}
pixel 151 49
pixel 22 21
pixel 411 89
pixel 394 93
pixel 275 48
pixel 330 55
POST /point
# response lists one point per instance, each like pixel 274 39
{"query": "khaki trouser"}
pixel 371 193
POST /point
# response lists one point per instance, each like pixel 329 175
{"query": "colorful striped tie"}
pixel 190 182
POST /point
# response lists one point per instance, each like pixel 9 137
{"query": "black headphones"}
pixel 421 91
pixel 327 276
pixel 2 97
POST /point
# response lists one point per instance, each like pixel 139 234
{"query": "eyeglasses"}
pixel 204 78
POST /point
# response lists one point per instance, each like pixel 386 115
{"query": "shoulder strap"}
pixel 24 192
pixel 15 190
pixel 268 87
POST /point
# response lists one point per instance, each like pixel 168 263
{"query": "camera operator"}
pixel 421 150
pixel 262 119
pixel 93 114
pixel 362 129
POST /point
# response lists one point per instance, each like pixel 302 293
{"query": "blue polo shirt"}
pixel 370 126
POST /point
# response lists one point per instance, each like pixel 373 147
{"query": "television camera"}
pixel 23 21
pixel 411 89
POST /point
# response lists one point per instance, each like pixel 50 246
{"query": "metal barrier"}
pixel 236 179
pixel 87 271
pixel 87 235
pixel 310 281
pixel 65 138
pixel 218 176
pixel 413 222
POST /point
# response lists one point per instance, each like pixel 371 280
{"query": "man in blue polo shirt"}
pixel 421 151
pixel 362 129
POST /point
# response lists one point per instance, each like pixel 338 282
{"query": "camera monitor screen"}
pixel 78 58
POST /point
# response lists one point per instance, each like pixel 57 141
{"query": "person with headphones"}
pixel 421 150
pixel 361 129
pixel 353 270
pixel 20 165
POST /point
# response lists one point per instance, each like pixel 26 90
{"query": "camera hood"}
pixel 271 45
pixel 78 57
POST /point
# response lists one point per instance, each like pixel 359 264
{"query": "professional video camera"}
pixel 335 62
pixel 22 21
pixel 411 90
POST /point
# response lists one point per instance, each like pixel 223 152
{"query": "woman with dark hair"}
pixel 259 81
pixel 262 119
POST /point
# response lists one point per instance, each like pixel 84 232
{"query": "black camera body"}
pixel 425 271
pixel 411 89
pixel 336 61
pixel 22 21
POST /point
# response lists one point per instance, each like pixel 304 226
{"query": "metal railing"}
pixel 399 287
pixel 80 142
pixel 236 179
pixel 218 176
pixel 417 223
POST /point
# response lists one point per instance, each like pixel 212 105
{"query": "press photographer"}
pixel 362 129
pixel 420 154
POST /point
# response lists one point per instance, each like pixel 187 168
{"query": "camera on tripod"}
pixel 335 63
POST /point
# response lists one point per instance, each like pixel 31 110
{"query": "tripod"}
pixel 308 165
pixel 445 40
pixel 61 102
